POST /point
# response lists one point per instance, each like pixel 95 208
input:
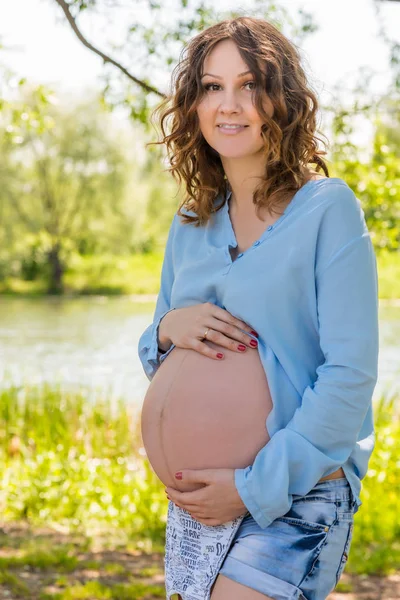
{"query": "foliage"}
pixel 375 178
pixel 72 186
pixel 62 182
pixel 73 460
pixel 376 540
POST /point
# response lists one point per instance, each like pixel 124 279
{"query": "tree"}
pixel 64 179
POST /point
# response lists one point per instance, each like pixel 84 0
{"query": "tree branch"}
pixel 107 59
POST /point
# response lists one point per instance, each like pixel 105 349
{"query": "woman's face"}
pixel 229 99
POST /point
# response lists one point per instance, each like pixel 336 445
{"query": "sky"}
pixel 40 45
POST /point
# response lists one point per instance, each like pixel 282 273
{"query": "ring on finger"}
pixel 206 333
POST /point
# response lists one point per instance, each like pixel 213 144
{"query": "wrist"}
pixel 164 342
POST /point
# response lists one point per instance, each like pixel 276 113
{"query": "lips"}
pixel 230 131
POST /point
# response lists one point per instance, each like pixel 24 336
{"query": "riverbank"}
pixel 139 276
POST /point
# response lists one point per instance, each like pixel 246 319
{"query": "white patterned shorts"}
pixel 194 553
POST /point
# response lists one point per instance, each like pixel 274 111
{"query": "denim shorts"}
pixel 300 555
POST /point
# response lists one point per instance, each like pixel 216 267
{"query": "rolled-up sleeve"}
pixel 324 430
pixel 148 350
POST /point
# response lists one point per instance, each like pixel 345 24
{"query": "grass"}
pixel 38 562
pixel 69 461
pixel 140 274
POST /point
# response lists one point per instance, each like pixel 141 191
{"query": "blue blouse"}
pixel 309 287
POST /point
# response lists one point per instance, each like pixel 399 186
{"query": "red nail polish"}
pixel 254 333
pixel 178 475
pixel 220 355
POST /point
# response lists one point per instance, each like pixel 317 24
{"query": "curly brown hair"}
pixel 289 137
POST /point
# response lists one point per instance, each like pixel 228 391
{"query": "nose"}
pixel 229 102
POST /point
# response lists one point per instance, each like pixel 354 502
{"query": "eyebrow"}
pixel 218 77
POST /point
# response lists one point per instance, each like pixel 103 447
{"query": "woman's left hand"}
pixel 216 503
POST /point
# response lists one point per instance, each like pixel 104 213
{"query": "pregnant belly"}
pixel 201 413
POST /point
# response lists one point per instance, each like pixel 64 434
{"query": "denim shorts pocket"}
pixel 345 554
pixel 317 514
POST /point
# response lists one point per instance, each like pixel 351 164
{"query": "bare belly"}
pixel 200 413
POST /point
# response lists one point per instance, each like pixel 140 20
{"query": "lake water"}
pixel 92 341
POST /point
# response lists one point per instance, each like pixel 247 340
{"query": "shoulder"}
pixel 191 213
pixel 329 184
pixel 340 199
pixel 335 199
pixel 177 219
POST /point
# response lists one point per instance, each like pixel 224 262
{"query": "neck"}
pixel 243 176
pixel 243 185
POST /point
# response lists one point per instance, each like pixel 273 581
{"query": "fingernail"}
pixel 253 343
pixel 254 333
pixel 178 475
pixel 241 347
pixel 220 355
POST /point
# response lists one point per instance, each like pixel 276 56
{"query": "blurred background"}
pixel 85 209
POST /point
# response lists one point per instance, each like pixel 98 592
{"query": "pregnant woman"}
pixel 262 353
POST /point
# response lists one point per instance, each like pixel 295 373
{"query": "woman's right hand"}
pixel 185 328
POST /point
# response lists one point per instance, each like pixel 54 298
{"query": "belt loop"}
pixel 353 502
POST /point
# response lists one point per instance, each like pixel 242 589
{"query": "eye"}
pixel 208 86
